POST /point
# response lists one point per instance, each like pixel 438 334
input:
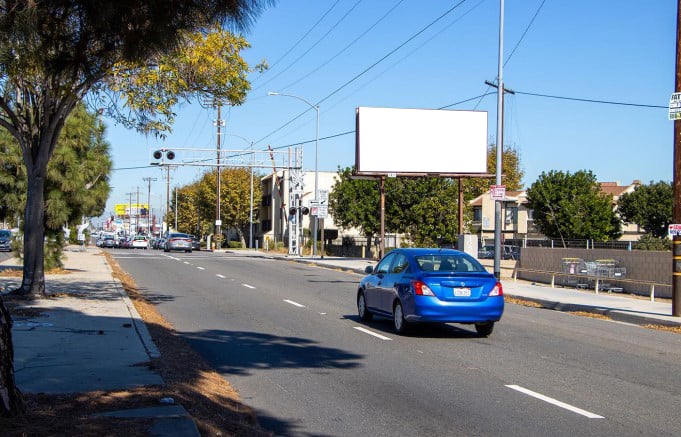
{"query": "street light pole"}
pixel 316 165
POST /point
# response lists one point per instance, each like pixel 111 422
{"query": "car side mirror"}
pixel 369 270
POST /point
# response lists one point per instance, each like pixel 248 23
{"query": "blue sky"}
pixel 618 51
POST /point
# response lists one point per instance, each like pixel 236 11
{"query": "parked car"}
pixel 196 243
pixel 178 241
pixel 139 242
pixel 486 252
pixel 5 240
pixel 109 242
pixel 159 243
pixel 413 285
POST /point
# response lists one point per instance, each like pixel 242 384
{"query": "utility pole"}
pixel 500 143
pixel 218 221
pixel 149 181
pixel 676 252
pixel 137 212
pixel 167 195
pixel 129 212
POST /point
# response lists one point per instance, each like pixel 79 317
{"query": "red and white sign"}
pixel 674 229
pixel 497 192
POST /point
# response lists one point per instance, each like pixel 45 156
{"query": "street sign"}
pixel 314 207
pixel 675 106
pixel 323 207
pixel 674 229
pixel 497 192
pixel 218 222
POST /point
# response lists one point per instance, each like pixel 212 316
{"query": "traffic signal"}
pixel 303 209
pixel 159 155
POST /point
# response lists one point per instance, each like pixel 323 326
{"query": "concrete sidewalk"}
pixel 88 337
pixel 618 306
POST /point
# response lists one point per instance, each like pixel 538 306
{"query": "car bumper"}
pixel 431 309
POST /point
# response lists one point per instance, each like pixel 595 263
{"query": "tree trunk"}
pixel 11 401
pixel 33 282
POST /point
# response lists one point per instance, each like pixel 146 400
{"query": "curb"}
pixel 614 314
pixel 138 322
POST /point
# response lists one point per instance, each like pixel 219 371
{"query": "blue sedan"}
pixel 431 285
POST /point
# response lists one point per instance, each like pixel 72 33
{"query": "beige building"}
pixel 274 206
pixel 517 222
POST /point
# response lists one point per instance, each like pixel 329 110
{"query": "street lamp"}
pixel 316 173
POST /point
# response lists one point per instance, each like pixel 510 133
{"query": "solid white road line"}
pixel 294 303
pixel 248 286
pixel 220 276
pixel 201 268
pixel 366 331
pixel 555 402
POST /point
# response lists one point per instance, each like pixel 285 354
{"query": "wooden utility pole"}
pixel 676 250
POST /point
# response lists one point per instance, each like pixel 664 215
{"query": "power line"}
pixel 311 47
pixel 415 49
pixel 325 63
pixel 525 32
pixel 366 69
pixel 578 99
pixel 303 37
pixel 393 51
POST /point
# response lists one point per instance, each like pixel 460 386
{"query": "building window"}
pixel 512 215
pixel 477 213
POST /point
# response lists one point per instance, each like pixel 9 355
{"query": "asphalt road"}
pixel 286 335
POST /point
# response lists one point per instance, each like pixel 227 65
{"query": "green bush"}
pixel 648 242
pixel 234 245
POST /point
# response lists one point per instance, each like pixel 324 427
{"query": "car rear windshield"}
pixel 178 236
pixel 5 234
pixel 448 263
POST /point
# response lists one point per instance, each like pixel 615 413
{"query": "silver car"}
pixel 178 241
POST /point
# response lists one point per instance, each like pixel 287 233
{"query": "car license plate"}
pixel 462 292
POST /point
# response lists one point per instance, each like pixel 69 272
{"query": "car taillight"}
pixel 421 288
pixel 498 290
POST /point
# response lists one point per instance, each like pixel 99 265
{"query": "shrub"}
pixel 648 242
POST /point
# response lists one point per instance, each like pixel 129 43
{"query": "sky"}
pixel 344 54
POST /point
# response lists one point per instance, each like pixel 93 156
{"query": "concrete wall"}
pixel 641 265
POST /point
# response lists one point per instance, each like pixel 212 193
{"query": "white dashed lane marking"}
pixel 220 276
pixel 201 268
pixel 294 303
pixel 248 286
pixel 555 402
pixel 366 331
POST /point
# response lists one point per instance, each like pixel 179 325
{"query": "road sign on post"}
pixel 323 205
pixel 497 192
pixel 675 106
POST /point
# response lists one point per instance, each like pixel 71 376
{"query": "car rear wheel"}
pixel 364 314
pixel 484 329
pixel 401 325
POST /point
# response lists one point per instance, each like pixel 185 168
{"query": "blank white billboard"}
pixel 393 140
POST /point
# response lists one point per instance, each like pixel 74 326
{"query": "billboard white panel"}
pixel 393 140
